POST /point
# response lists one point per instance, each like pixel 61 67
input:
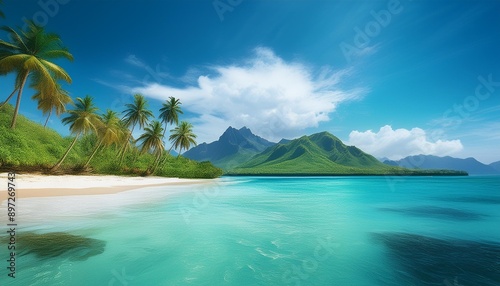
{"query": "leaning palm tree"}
pixel 182 136
pixel 16 88
pixel 83 119
pixel 136 113
pixel 151 140
pixel 31 52
pixel 169 113
pixel 56 101
pixel 108 132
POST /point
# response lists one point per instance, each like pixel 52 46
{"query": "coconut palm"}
pixel 82 120
pixel 182 136
pixel 136 113
pixel 108 132
pixel 56 101
pixel 16 88
pixel 169 113
pixel 151 140
pixel 30 52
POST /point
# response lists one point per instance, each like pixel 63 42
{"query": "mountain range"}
pixel 234 147
pixel 322 154
pixel 470 165
pixel 240 152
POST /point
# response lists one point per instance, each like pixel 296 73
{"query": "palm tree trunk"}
pixel 58 164
pixel 50 113
pixel 18 102
pixel 122 151
pixel 155 165
pixel 8 98
pixel 164 130
pixel 93 153
pixel 157 162
pixel 180 150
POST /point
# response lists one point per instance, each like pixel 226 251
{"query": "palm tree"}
pixel 56 101
pixel 169 113
pixel 151 140
pixel 83 119
pixel 31 52
pixel 183 136
pixel 16 88
pixel 108 132
pixel 136 113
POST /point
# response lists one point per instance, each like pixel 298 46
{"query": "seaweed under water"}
pixel 55 244
pixel 437 212
pixel 423 260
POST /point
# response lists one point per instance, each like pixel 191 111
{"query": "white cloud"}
pixel 399 143
pixel 133 60
pixel 271 96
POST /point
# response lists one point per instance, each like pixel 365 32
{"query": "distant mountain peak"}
pixel 233 146
pixel 470 164
pixel 317 153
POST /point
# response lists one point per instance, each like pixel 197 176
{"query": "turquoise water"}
pixel 270 231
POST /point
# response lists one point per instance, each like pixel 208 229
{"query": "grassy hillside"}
pixel 322 154
pixel 31 147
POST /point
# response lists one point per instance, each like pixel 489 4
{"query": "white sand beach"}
pixel 34 185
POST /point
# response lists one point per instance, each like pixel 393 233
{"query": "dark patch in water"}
pixel 437 212
pixel 478 200
pixel 56 244
pixel 422 260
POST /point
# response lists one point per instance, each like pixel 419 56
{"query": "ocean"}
pixel 265 231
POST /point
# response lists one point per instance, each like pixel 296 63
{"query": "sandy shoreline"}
pixel 30 185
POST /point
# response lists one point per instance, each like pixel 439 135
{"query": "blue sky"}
pixel 394 78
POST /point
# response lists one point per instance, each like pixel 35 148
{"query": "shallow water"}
pixel 271 231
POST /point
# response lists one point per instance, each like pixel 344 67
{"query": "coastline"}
pixel 34 185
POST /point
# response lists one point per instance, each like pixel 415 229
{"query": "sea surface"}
pixel 265 231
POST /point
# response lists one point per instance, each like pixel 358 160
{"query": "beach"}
pixel 35 185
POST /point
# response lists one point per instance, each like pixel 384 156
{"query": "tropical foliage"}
pixel 152 140
pixel 108 132
pixel 137 113
pixel 169 112
pixel 183 136
pixel 55 102
pixel 30 147
pixel 82 120
pixel 30 54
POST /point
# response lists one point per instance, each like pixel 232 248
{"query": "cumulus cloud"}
pixel 271 96
pixel 399 143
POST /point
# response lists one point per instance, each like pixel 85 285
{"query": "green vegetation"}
pixel 83 120
pixel 33 148
pixel 183 136
pixel 104 144
pixel 29 55
pixel 57 102
pixel 98 140
pixel 169 112
pixel 151 140
pixel 322 154
pixel 136 113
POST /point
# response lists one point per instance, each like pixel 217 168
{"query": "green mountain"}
pixel 32 148
pixel 322 154
pixel 234 147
